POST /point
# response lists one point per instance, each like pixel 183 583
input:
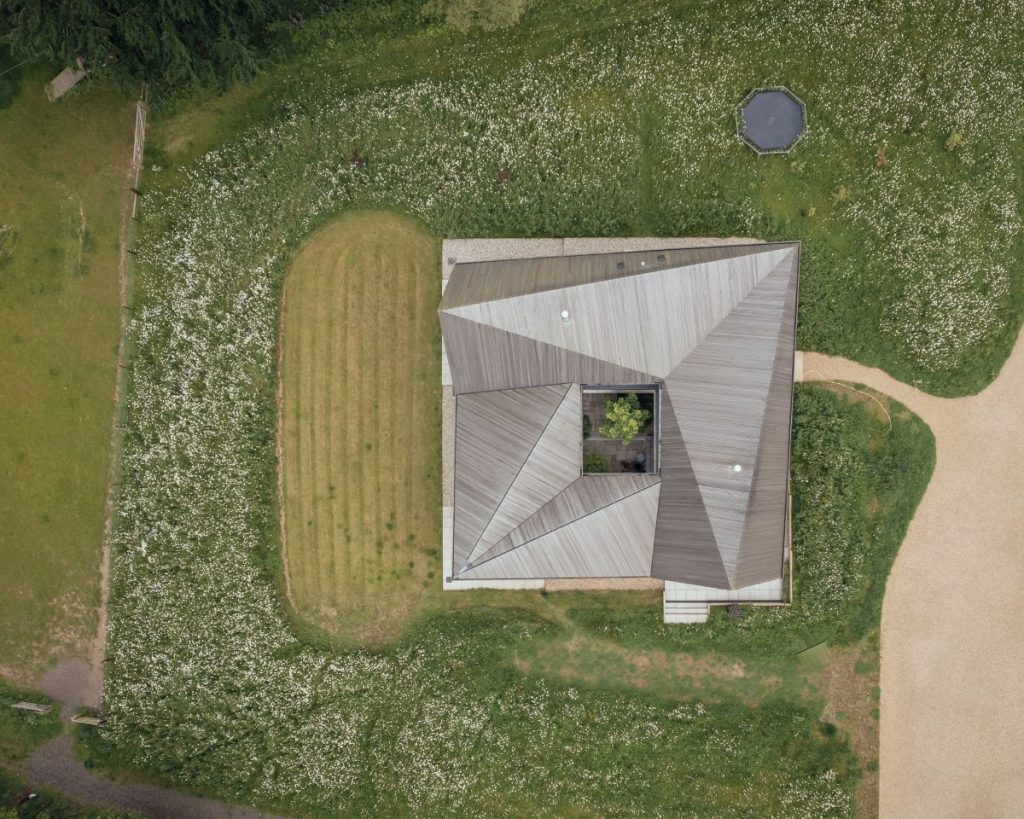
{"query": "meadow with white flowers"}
pixel 585 120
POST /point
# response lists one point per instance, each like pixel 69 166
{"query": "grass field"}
pixel 360 368
pixel 62 176
pixel 611 122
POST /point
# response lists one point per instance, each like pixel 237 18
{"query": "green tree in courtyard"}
pixel 624 418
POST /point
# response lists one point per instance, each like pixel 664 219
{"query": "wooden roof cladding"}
pixel 714 325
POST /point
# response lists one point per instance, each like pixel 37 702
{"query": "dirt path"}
pixel 952 729
pixel 55 766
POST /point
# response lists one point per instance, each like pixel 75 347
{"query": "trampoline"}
pixel 771 120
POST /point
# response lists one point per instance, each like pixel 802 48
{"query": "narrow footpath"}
pixel 55 766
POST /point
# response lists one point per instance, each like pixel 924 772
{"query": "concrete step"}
pixel 680 611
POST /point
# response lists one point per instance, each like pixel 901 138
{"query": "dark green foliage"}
pixel 856 485
pixel 624 418
pixel 183 43
pixel 10 75
pixel 594 462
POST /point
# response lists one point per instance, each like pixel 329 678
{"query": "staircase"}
pixel 683 611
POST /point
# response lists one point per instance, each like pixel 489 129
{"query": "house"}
pixel 534 348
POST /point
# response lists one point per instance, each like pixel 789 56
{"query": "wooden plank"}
pixel 616 541
pixel 647 322
pixel 483 358
pixel 719 394
pixel 474 282
pixel 765 528
pixel 553 463
pixel 35 707
pixel 494 434
pixel 684 545
pixel 586 495
pixel 717 330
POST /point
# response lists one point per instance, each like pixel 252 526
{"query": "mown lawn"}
pixel 62 176
pixel 360 424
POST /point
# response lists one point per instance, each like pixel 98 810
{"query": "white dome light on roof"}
pixel 565 315
pixel 737 468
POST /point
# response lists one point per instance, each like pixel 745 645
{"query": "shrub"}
pixel 595 462
pixel 10 78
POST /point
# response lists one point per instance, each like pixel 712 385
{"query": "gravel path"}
pixel 55 766
pixel 952 729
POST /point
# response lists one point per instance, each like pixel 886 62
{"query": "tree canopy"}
pixel 173 42
pixel 624 418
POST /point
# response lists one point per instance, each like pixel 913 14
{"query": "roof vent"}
pixel 620 265
pixel 661 257
pixel 737 468
pixel 565 315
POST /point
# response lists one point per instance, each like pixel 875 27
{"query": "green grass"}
pixel 61 181
pixel 914 267
pixel 612 122
pixel 360 425
pixel 23 731
pixel 561 658
pixel 360 436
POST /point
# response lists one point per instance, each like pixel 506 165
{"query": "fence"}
pixel 137 149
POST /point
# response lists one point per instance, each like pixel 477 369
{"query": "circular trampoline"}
pixel 771 120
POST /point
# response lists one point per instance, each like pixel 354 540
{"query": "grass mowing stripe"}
pixel 311 441
pixel 345 381
pixel 352 401
pixel 325 529
pixel 299 523
pixel 403 407
pixel 337 548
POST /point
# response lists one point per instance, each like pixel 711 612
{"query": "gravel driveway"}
pixel 952 726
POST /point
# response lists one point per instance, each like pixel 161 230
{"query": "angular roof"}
pixel 713 326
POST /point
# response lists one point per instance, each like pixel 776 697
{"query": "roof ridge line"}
pixel 764 421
